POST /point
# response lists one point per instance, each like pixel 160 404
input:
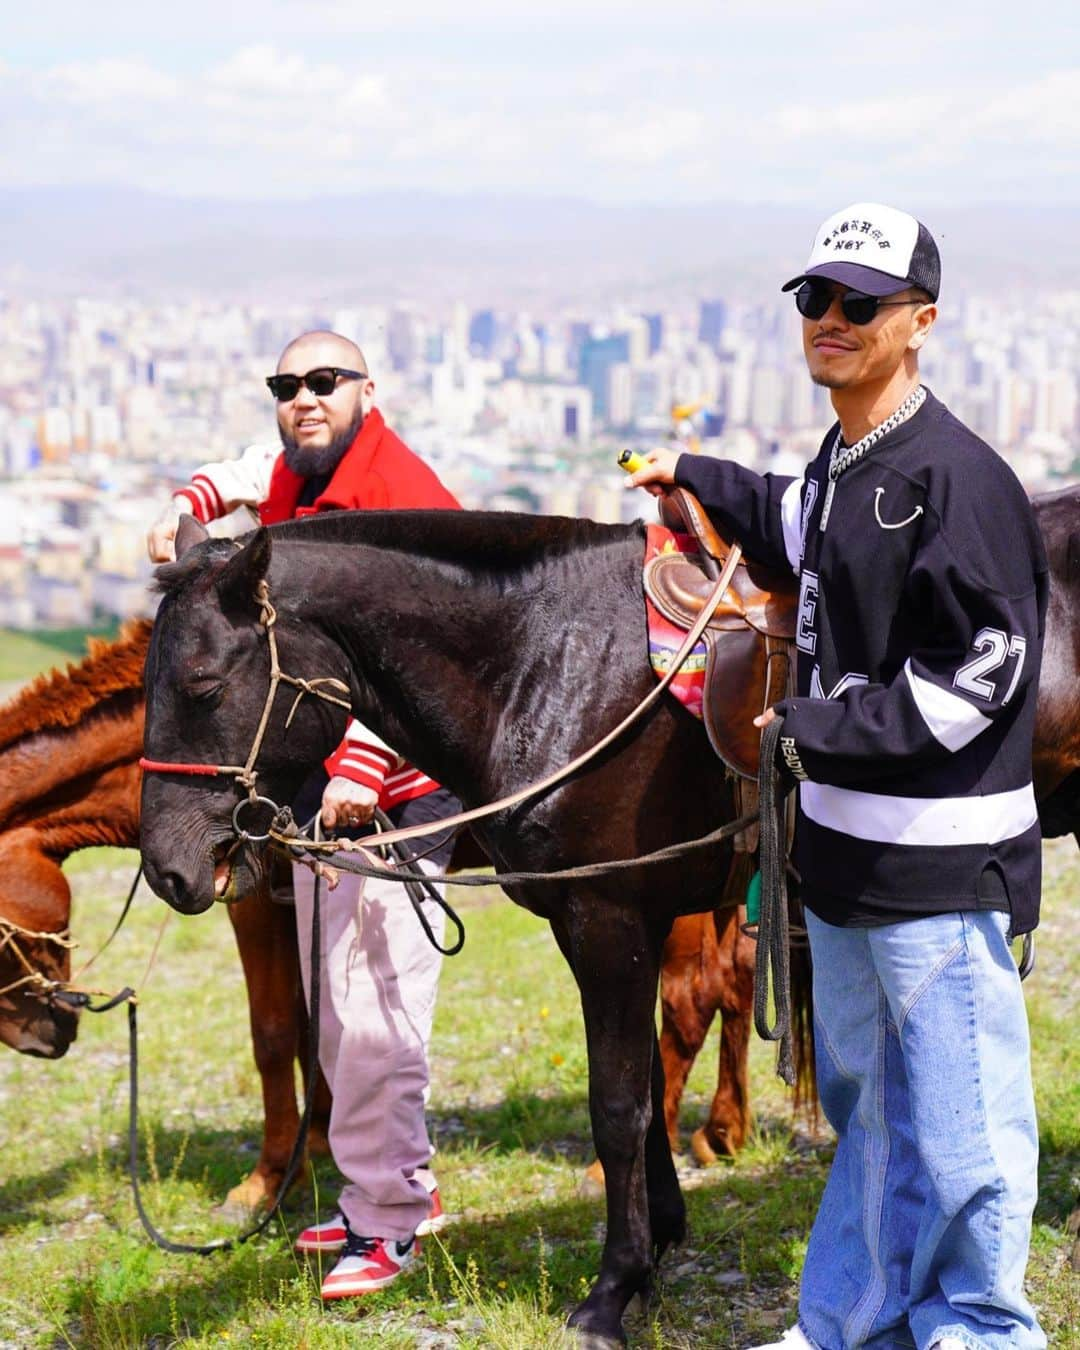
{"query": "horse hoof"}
pixel 591 1185
pixel 706 1152
pixel 233 1211
pixel 244 1200
pixel 594 1340
pixel 703 1152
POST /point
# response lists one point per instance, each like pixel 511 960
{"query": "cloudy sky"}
pixel 750 100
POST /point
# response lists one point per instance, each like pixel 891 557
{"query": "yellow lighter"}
pixel 631 461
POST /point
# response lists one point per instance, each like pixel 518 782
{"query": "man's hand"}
pixel 763 720
pixel 658 474
pixel 345 803
pixel 161 541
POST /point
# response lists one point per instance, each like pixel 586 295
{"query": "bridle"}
pixel 42 986
pixel 244 774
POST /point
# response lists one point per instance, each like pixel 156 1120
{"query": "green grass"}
pixel 509 1116
pixel 23 655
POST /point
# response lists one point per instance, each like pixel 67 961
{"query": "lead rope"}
pixel 299 1147
pixel 773 956
pixel 421 887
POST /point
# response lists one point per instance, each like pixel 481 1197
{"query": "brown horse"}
pixel 69 779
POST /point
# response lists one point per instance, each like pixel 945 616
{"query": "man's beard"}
pixel 316 461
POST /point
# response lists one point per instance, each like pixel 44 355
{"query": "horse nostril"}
pixel 168 885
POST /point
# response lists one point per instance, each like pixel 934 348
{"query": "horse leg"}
pixel 266 939
pixel 667 1210
pixel 618 999
pixel 731 982
pixel 685 1016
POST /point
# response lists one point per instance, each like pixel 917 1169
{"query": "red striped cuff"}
pixel 203 499
pixel 360 764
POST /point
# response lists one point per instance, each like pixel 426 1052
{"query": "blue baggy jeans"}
pixel 923 1071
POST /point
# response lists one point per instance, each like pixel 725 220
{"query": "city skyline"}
pixel 107 404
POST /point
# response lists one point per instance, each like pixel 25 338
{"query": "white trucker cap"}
pixel 875 249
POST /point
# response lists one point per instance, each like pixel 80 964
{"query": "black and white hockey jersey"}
pixel 923 588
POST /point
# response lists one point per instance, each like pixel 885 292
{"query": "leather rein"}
pixel 281 829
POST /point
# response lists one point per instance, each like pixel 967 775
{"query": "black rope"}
pixel 772 955
pixel 77 998
pixel 116 928
pixel 299 1147
pixel 347 861
pixel 421 887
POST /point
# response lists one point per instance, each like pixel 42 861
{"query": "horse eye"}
pixel 203 689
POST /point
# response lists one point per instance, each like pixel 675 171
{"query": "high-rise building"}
pixel 482 332
pixel 620 392
pixel 712 319
pixel 596 358
pixel 656 332
pixel 403 337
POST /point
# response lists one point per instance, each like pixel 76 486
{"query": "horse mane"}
pixel 485 540
pixel 61 698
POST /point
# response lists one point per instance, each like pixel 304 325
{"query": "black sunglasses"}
pixel 322 382
pixel 813 299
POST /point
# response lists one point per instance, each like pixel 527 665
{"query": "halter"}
pixel 42 985
pixel 244 774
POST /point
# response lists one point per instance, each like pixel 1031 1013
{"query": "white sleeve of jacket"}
pixel 217 489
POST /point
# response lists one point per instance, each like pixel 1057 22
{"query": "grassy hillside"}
pixel 509 1116
pixel 24 655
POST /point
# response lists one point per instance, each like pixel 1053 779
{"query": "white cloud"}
pixel 263 69
pixel 112 81
pixel 1042 111
pixel 648 135
pixel 633 123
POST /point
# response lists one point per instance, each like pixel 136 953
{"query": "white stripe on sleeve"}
pixel 791 520
pixel 951 719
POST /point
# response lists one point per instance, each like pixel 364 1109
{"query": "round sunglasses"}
pixel 813 299
pixel 322 381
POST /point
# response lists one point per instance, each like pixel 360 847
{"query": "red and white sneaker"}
pixel 436 1219
pixel 367 1264
pixel 328 1236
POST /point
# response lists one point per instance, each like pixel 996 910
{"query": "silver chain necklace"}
pixel 842 460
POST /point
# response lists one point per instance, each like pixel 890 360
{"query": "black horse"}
pixel 489 649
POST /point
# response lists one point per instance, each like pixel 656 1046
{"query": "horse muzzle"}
pixel 38 1028
pixel 188 892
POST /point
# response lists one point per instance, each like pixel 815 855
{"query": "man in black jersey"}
pixel 922 600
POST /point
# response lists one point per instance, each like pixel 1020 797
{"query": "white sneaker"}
pixel 792 1339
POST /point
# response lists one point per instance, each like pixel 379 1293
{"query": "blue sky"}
pixel 950 104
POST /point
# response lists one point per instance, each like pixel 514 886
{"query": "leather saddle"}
pixel 748 639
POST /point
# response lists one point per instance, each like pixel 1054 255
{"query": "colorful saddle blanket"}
pixel 665 638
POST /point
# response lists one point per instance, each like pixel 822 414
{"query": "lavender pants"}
pixel 378 980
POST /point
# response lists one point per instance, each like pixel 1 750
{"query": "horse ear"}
pixel 242 573
pixel 189 533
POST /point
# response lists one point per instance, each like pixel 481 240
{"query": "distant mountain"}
pixel 482 248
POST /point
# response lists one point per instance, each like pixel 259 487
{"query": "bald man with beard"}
pixel 337 454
